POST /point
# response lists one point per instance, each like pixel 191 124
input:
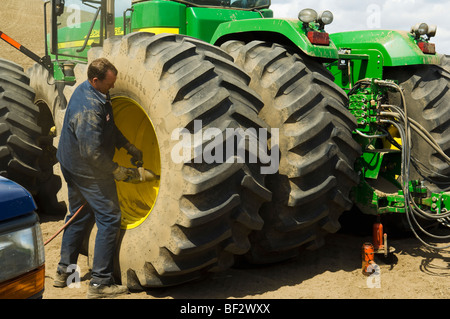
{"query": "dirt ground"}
pixel 334 271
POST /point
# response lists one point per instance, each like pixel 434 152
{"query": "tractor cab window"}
pixel 79 25
pixel 241 4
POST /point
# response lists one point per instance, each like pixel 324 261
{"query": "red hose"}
pixel 65 225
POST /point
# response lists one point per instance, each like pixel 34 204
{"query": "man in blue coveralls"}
pixel 86 148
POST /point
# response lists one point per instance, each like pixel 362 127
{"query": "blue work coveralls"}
pixel 86 148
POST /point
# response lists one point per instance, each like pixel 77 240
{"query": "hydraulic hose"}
pixel 65 225
pixel 404 127
pixel 428 138
pixel 419 129
pixel 409 209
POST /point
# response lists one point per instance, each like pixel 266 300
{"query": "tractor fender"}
pixel 393 48
pixel 284 31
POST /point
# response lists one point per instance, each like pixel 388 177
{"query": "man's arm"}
pixel 121 141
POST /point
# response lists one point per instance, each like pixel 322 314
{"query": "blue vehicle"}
pixel 22 257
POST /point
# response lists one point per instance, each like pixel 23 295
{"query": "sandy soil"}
pixel 334 271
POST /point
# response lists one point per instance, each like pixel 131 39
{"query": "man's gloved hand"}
pixel 136 154
pixel 133 176
pixel 121 173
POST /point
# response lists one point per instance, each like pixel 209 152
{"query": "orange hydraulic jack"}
pixel 367 258
pixel 379 239
pixel 378 246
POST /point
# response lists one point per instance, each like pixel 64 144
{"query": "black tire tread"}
pixel 317 150
pixel 214 214
pixel 427 94
pixel 19 131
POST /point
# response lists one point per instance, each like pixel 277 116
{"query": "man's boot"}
pixel 60 279
pixel 96 291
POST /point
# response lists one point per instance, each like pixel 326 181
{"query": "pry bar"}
pixel 44 61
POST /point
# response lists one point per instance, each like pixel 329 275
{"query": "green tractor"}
pixel 224 80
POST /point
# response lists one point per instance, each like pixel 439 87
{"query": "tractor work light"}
pixel 420 29
pixel 325 17
pixel 314 24
pixel 432 30
pixel 307 15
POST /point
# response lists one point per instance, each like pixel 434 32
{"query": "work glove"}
pixel 121 173
pixel 133 176
pixel 140 175
pixel 136 154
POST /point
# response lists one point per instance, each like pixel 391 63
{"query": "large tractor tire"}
pixel 427 94
pixel 316 171
pixel 198 216
pixel 19 129
pixel 51 106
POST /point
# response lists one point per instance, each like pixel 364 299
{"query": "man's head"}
pixel 102 75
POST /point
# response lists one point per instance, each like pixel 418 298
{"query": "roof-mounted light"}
pixel 420 29
pixel 307 15
pixel 325 17
pixel 432 30
pixel 423 32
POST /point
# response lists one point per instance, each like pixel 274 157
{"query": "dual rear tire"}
pixel 317 151
pixel 201 215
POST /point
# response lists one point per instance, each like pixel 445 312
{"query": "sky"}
pixel 352 15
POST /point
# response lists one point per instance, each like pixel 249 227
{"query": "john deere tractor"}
pixel 352 119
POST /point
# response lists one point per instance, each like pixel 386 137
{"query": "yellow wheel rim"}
pixel 136 200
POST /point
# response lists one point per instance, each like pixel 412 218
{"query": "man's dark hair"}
pixel 99 67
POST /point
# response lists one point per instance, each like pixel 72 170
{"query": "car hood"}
pixel 14 200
